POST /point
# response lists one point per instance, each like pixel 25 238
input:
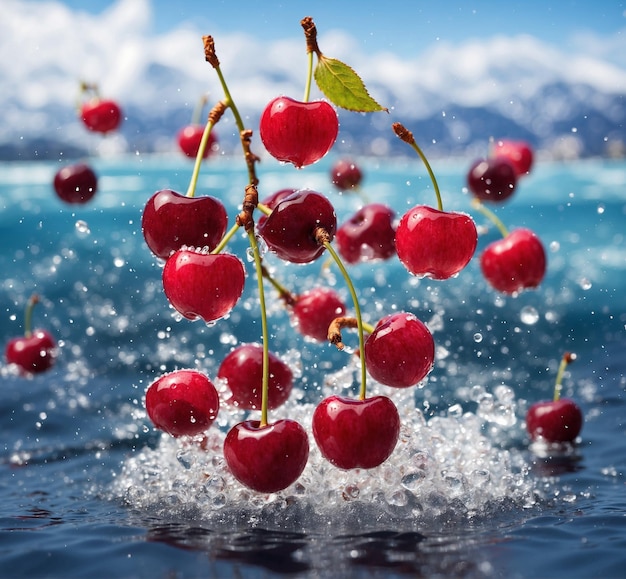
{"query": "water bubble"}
pixel 478 337
pixel 529 315
pixel 555 246
pixel 585 283
pixel 82 228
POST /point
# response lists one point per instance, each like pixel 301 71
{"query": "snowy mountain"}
pixel 454 98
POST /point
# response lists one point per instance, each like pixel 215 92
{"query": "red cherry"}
pixel 315 309
pixel 101 116
pixel 290 230
pixel 203 285
pixel 518 153
pixel 559 421
pixel 346 175
pixel 400 351
pixel 189 138
pixel 514 263
pixel 242 370
pixel 269 458
pixel 171 220
pixel 298 132
pixel 368 235
pixel 271 202
pixel 34 353
pixel 492 179
pixel 356 433
pixel 182 403
pixel 435 243
pixel 75 183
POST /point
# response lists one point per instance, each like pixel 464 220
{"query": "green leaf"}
pixel 343 87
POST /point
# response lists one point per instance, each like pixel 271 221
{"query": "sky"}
pixel 400 26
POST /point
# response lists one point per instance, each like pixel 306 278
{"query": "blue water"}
pixel 89 489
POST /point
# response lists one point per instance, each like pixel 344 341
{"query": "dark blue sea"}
pixel 88 489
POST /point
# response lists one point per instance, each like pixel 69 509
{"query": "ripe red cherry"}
pixel 271 202
pixel 101 115
pixel 203 285
pixel 368 235
pixel 356 433
pixel 182 403
pixel 35 351
pixel 171 220
pixel 75 183
pixel 315 309
pixel 559 421
pixel 514 263
pixel 518 153
pixel 434 243
pixel 400 351
pixel 290 230
pixel 346 175
pixel 189 138
pixel 492 179
pixel 298 132
pixel 242 370
pixel 269 458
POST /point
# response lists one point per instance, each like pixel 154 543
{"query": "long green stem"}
pixel 264 329
pixel 491 216
pixel 191 191
pixel 28 315
pixel 357 314
pixel 309 78
pixel 430 172
pixel 565 360
pixel 197 110
pixel 229 100
pixel 227 237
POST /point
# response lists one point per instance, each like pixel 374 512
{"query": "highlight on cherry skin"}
pixel 199 284
pixel 182 403
pixel 354 433
pixel 433 243
pixel 170 221
pixel 189 138
pixel 101 115
pixel 76 183
pixel 298 132
pixel 400 352
pixel 242 373
pixel 267 458
pixel 35 351
pixel 514 263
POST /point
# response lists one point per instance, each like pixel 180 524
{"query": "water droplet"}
pixel 600 209
pixel 585 283
pixel 529 315
pixel 478 337
pixel 82 228
pixel 118 262
pixel 555 246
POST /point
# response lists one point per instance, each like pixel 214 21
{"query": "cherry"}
pixel 492 179
pixel 518 153
pixel 189 138
pixel 435 243
pixel 346 175
pixel 101 115
pixel 242 370
pixel 315 309
pixel 368 235
pixel 298 132
pixel 514 263
pixel 291 230
pixel 75 183
pixel 266 458
pixel 171 220
pixel 356 433
pixel 182 403
pixel 203 285
pixel 556 420
pixel 400 351
pixel 35 351
pixel 271 202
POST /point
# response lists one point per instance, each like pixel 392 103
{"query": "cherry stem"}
pixel 491 216
pixel 214 116
pixel 310 35
pixel 227 237
pixel 264 329
pixel 197 110
pixel 567 358
pixel 407 137
pixel 28 315
pixel 283 292
pixel 357 312
pixel 335 327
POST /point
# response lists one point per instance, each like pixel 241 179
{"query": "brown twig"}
pixel 245 219
pixel 334 330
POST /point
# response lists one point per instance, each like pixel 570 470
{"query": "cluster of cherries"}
pixel 202 280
